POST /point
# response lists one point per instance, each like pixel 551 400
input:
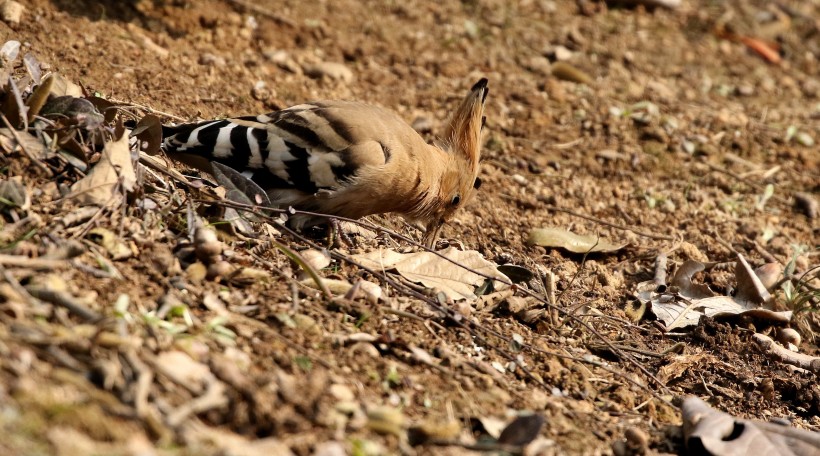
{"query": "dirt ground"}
pixel 664 126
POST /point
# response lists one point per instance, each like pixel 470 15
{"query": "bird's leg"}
pixel 336 235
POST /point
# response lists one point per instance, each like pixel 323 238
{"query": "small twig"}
pixel 804 361
pixel 670 4
pixel 99 273
pixel 502 448
pixel 765 253
pixel 33 263
pixel 15 284
pixel 265 12
pixel 727 245
pixel 661 237
pixel 25 150
pixel 63 299
pixel 145 377
pixel 661 354
pixel 568 145
pixel 705 386
pixel 214 397
pixel 660 269
pixel 402 313
pixel 748 182
pixel 148 109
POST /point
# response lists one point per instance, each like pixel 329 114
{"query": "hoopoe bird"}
pixel 346 159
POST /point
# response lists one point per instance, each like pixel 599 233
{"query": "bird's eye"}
pixel 477 183
pixel 456 200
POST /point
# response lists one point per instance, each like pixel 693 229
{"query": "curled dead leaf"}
pixel 685 302
pixel 114 170
pixel 149 132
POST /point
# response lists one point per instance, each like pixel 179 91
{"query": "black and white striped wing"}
pixel 307 148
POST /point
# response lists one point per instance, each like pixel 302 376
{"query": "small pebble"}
pixel 636 439
pixel 557 53
pixel 209 59
pixel 283 60
pixel 789 338
pixel 804 139
pixel 330 70
pixel 260 91
pixel 746 90
pixel 503 258
pixel 11 12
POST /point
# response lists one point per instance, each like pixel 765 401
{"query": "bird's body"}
pixel 344 158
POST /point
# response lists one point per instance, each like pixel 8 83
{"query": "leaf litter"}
pixel 274 374
pixel 683 302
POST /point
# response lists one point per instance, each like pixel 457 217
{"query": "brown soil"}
pixel 290 365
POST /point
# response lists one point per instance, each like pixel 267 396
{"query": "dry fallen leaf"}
pixel 13 194
pixel 685 302
pixel 435 272
pixel 98 187
pixel 576 243
pixel 522 430
pixel 719 433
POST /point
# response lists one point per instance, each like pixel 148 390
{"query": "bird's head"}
pixel 462 144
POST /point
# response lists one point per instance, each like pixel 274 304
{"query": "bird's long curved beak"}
pixel 431 234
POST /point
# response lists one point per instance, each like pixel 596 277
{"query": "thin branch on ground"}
pixel 660 237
